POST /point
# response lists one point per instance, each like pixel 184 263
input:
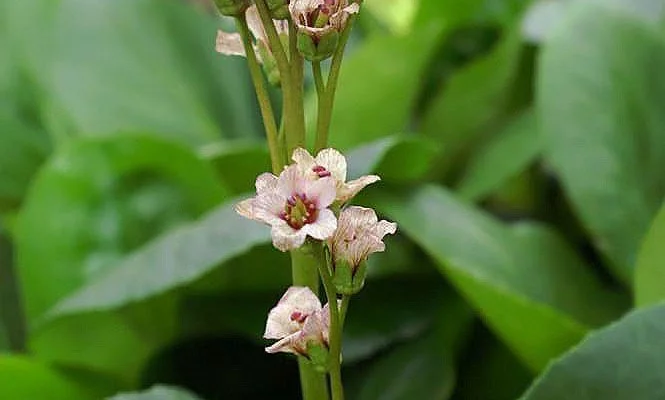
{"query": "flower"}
pixel 298 322
pixel 359 233
pixel 318 17
pixel 331 163
pixel 294 206
pixel 231 43
pixel 319 24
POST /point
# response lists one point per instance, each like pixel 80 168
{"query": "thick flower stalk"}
pixel 294 206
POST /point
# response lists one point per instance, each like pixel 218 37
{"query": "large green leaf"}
pixel 600 106
pixel 502 158
pixel 172 260
pixel 146 65
pixel 378 86
pixel 22 150
pixel 157 393
pixel 98 199
pixel 23 378
pixel 650 269
pixel 473 101
pixel 509 274
pixel 624 361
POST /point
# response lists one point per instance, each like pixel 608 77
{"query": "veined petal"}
pixel 246 208
pixel 296 305
pixel 351 188
pixel 267 206
pixel 291 181
pixel 293 344
pixel 334 162
pixel 323 190
pixel 265 182
pixel 304 160
pixel 324 227
pixel 285 238
pixel 229 44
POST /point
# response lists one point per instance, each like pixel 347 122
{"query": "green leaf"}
pixel 172 260
pixel 623 361
pixel 22 150
pixel 610 163
pixel 378 87
pixel 396 159
pixel 158 71
pixel 158 392
pixel 238 164
pixel 509 274
pixel 422 368
pixel 502 158
pixel 650 268
pixel 473 101
pixel 99 199
pixel 23 378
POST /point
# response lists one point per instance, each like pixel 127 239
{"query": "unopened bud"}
pixel 318 355
pixel 348 279
pixel 315 48
pixel 279 9
pixel 269 64
pixel 232 8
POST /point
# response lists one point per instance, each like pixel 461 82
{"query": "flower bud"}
pixel 318 355
pixel 232 8
pixel 349 279
pixel 279 9
pixel 269 64
pixel 315 48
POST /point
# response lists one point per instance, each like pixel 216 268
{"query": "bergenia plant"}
pixel 305 200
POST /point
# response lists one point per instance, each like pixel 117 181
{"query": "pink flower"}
pixel 359 233
pixel 331 163
pixel 294 206
pixel 318 17
pixel 298 320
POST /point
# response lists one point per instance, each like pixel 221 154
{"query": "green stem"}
pixel 342 310
pixel 318 79
pixel 297 112
pixel 267 114
pixel 328 99
pixel 305 273
pixel 335 334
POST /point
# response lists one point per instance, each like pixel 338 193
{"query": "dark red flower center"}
pixel 298 317
pixel 321 171
pixel 299 211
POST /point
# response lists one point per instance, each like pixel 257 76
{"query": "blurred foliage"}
pixel 521 146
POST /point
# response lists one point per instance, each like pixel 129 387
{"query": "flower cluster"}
pixel 309 199
pixel 318 23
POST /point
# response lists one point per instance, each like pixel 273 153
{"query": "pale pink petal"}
pixel 265 182
pixel 229 44
pixel 324 227
pixel 322 190
pixel 255 24
pixel 293 344
pixel 358 216
pixel 267 207
pixel 285 238
pixel 304 160
pixel 246 208
pixel 352 9
pixel 291 181
pixel 351 188
pixel 334 162
pixel 298 299
pixel 384 228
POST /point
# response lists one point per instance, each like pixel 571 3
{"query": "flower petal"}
pixel 285 238
pixel 304 160
pixel 293 344
pixel 298 299
pixel 291 181
pixel 265 182
pixel 246 208
pixel 334 162
pixel 351 188
pixel 267 206
pixel 229 44
pixel 324 227
pixel 322 190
